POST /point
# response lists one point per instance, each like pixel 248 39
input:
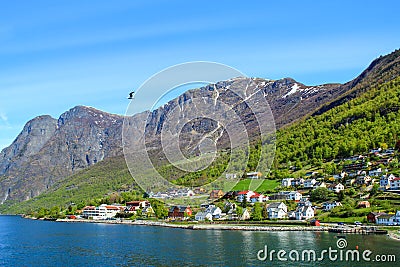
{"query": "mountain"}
pixel 48 151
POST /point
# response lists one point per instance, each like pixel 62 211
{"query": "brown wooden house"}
pixel 215 194
pixel 179 212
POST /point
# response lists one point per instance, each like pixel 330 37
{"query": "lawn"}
pixel 259 185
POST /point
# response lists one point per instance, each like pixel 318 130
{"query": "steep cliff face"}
pixel 48 150
pixel 33 137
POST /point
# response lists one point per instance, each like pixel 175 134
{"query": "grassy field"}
pixel 259 185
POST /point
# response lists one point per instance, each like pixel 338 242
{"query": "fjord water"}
pixel 26 242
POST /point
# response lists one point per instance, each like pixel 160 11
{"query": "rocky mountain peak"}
pixel 30 141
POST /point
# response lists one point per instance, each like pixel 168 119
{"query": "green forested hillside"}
pixel 369 121
pixel 88 186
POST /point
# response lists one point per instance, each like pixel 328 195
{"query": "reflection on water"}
pixel 36 243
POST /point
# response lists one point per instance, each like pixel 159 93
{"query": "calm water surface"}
pixel 26 242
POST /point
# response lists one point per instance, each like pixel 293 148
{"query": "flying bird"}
pixel 131 94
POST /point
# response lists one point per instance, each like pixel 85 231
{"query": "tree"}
pixel 265 212
pixel 319 194
pixel 239 211
pixel 244 202
pixel 159 209
pixel 257 212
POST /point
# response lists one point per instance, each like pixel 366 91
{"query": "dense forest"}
pixel 369 121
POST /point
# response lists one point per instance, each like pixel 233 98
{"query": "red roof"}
pixel 243 192
pixel 396 179
pixel 112 208
pixel 255 195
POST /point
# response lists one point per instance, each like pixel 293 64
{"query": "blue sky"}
pixel 55 55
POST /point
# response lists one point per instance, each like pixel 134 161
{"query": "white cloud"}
pixel 4 117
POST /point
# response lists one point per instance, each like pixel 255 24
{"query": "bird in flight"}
pixel 131 94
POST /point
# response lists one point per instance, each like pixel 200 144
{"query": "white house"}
pixel 230 175
pixel 326 206
pixel 389 219
pixel 212 212
pixel 286 182
pixel 244 195
pixel 377 172
pixel 394 184
pixel 385 180
pixel 102 212
pixel 215 211
pixel 202 216
pixel 304 213
pixel 309 183
pixel 277 210
pixel 336 187
pixel 256 197
pixel 294 195
pixel 297 182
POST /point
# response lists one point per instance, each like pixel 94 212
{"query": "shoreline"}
pixel 204 226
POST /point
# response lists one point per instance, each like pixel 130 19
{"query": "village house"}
pixel 372 217
pixel 335 187
pixel 277 210
pixel 278 196
pixel 385 180
pixel 376 173
pixel 363 204
pixel 363 180
pixel 103 212
pixel 297 182
pixel 326 206
pixel 394 184
pixel 251 196
pixel 294 195
pixel 199 191
pixel 230 175
pixel 304 202
pixel 203 216
pixel 215 211
pixel 216 194
pixel 134 206
pixel 179 212
pixel 212 212
pixel 286 182
pixel 385 219
pixel 242 195
pixel 253 175
pixel 309 183
pixel 304 213
pixel 256 197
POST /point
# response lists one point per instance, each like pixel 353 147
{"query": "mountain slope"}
pixel 368 121
pixel 48 151
pixel 95 182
